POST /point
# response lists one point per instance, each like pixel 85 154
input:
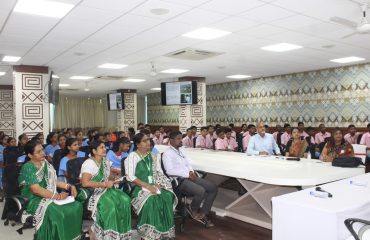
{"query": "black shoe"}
pixel 208 223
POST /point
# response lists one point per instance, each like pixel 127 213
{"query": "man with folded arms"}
pixel 262 143
pixel 177 164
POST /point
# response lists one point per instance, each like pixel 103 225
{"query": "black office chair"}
pixel 239 140
pixel 364 230
pixel 181 212
pixel 58 154
pixel 14 203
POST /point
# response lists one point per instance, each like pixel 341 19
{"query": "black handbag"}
pixel 346 161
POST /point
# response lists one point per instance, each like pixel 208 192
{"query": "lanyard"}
pixel 147 164
pixel 177 152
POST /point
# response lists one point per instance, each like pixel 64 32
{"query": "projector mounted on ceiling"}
pixel 192 54
pixel 362 28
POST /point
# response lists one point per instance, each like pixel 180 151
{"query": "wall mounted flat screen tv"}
pixel 115 101
pixel 179 93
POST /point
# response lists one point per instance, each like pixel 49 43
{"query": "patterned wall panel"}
pixel 337 97
pixel 128 117
pixel 6 112
pixel 161 115
pixel 31 108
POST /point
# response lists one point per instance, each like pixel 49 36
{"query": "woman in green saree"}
pixel 110 207
pixel 152 197
pixel 39 184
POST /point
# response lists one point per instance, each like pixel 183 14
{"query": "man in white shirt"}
pixel 177 164
pixel 262 143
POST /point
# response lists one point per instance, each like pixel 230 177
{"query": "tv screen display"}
pixel 179 93
pixel 53 89
pixel 115 101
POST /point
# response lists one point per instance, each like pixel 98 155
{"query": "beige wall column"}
pixel 31 105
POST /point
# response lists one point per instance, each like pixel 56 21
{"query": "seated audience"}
pixel 310 135
pixel 220 143
pixel 233 133
pixel 177 164
pixel 194 131
pixel 162 134
pixel 212 133
pixel 187 141
pixel 90 138
pixel 247 136
pixel 203 140
pixel 152 197
pixel 107 139
pixel 230 142
pixel 157 139
pixel 365 139
pixel 118 152
pixel 80 137
pixel 262 143
pixel 286 136
pixel 39 185
pixel 70 152
pixel 244 129
pixel 131 133
pixel 320 136
pixel 352 136
pixel 335 147
pixel 277 134
pixel 11 142
pixel 302 132
pixel 139 127
pixel 62 141
pixel 52 141
pixel 296 147
pixel 111 208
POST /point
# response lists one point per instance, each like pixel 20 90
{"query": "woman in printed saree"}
pixel 39 184
pixel 110 207
pixel 152 198
pixel 296 147
pixel 336 147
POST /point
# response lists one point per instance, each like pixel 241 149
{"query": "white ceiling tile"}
pixel 234 24
pixel 267 13
pixel 200 18
pixel 262 30
pixel 233 7
pixel 296 22
pixel 6 8
pixel 192 3
pixel 174 9
pixel 113 5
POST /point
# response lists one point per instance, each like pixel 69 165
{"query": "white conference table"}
pixel 301 216
pixel 262 177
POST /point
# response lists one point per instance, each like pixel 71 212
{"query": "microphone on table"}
pixel 322 190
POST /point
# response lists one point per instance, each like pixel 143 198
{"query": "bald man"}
pixel 262 143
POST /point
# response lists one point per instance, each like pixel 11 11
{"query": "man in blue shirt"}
pixel 262 143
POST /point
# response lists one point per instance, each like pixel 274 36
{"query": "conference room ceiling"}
pixel 126 32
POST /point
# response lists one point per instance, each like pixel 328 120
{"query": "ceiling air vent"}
pixel 110 78
pixel 192 54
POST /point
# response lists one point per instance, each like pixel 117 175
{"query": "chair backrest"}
pixel 123 171
pixel 359 138
pixel 360 151
pixel 11 155
pixel 58 154
pixel 85 149
pixel 74 170
pixel 239 140
pixel 10 179
pixel 194 142
pixel 214 141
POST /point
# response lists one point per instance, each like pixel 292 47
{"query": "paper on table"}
pixel 69 199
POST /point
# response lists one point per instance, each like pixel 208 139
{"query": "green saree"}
pixel 111 208
pixel 52 222
pixel 155 211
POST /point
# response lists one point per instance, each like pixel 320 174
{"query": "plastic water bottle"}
pixel 319 194
pixel 309 156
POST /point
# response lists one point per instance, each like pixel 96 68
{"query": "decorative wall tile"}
pixel 127 118
pixel 6 112
pixel 336 97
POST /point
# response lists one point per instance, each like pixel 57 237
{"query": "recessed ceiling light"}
pixel 64 85
pixel 2 73
pixel 11 59
pixel 175 70
pixel 86 89
pixel 347 59
pixel 238 76
pixel 281 47
pixel 159 11
pixel 206 33
pixel 43 8
pixel 112 66
pixel 135 80
pixel 55 76
pixel 80 77
pixel 156 89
